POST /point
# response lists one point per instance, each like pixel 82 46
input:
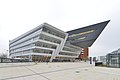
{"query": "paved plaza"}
pixel 57 71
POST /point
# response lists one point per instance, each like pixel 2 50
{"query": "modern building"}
pixel 113 59
pixel 102 59
pixel 47 43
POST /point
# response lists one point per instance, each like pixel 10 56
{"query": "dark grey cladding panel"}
pixel 86 36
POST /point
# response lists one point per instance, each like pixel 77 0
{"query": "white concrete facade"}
pixel 43 42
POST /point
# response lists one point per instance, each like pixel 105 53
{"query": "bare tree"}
pixel 3 55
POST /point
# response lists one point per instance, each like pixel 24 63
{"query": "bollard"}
pixel 90 60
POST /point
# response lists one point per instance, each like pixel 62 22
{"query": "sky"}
pixel 20 16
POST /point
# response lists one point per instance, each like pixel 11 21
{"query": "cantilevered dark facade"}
pixel 86 36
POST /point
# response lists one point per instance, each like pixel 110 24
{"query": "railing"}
pixel 8 60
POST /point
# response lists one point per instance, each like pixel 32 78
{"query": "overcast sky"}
pixel 20 16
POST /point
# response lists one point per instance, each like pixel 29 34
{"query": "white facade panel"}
pixel 45 41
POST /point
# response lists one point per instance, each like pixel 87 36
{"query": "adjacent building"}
pixel 102 59
pixel 84 55
pixel 47 43
pixel 113 59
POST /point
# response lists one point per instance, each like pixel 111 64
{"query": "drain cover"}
pixel 86 69
pixel 77 71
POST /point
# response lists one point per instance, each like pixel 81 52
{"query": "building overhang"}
pixel 86 36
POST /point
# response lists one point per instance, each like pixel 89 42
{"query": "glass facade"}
pixel 113 59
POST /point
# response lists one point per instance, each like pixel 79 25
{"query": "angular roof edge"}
pixel 84 37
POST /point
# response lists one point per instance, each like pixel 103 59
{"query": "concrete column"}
pixel 30 57
pixel 59 48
